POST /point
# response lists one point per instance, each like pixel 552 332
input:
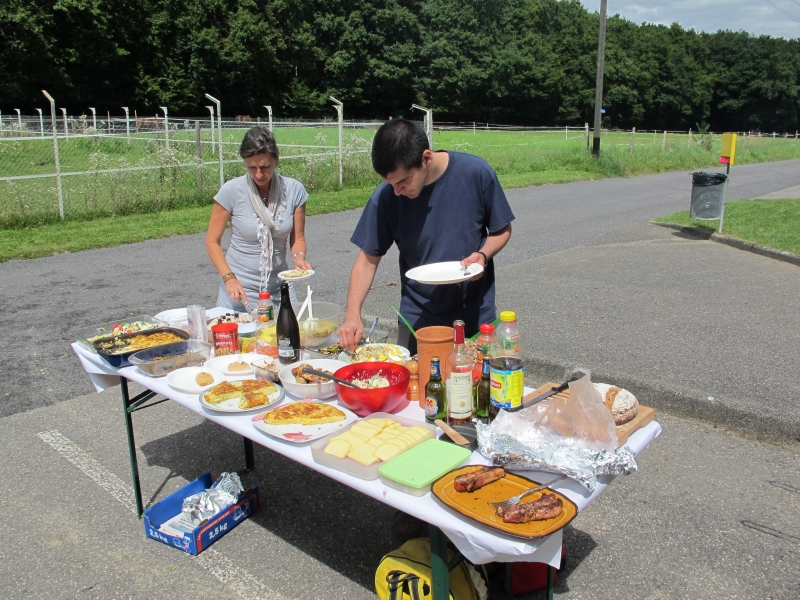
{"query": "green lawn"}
pixel 107 209
pixel 773 223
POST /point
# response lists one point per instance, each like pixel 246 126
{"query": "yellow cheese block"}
pixel 338 448
pixel 363 454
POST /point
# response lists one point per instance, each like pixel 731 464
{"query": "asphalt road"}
pixel 708 515
pixel 46 299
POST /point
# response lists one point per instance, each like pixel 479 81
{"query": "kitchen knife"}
pixel 543 396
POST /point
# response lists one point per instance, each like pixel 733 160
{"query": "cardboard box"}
pixel 204 535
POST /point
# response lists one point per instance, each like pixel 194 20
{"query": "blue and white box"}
pixel 204 535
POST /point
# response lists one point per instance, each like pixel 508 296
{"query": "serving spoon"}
pixel 331 377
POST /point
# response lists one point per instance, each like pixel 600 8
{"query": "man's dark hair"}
pixel 398 143
pixel 258 140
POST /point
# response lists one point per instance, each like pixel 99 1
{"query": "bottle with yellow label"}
pixel 507 366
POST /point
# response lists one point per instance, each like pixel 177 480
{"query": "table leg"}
pixel 551 582
pixel 249 458
pixel 137 488
pixel 440 577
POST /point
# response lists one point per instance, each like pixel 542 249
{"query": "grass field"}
pixel 110 208
pixel 773 223
pixel 145 176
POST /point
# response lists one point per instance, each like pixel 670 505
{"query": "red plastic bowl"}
pixel 390 399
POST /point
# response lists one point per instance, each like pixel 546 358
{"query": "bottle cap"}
pixel 434 359
pixel 263 296
pixel 458 332
pixel 487 328
pixel 508 316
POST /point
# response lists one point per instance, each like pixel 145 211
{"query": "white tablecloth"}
pixel 476 542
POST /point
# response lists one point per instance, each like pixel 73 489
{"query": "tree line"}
pixel 526 62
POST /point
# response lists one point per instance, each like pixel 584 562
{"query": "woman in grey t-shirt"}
pixel 265 210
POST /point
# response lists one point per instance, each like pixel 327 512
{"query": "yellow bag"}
pixel 405 574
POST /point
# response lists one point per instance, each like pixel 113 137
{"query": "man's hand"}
pixel 475 257
pixel 350 333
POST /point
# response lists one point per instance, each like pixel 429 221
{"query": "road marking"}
pixel 220 566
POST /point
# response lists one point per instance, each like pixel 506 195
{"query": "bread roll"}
pixel 623 405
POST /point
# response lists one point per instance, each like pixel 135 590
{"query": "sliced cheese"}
pixel 387 451
pixel 363 454
pixel 338 448
pixel 375 442
pixel 351 437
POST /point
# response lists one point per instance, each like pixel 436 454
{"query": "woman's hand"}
pixel 301 263
pixel 235 290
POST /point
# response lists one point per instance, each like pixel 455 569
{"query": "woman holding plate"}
pixel 267 213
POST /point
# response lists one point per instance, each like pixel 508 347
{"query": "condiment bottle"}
pixel 487 341
pixel 435 396
pixel 266 339
pixel 459 380
pixel 287 329
pixel 507 366
pixel 413 383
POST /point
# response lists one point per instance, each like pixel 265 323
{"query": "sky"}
pixel 754 16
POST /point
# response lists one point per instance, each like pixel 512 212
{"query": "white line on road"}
pixel 243 583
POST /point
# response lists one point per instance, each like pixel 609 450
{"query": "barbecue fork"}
pixel 515 500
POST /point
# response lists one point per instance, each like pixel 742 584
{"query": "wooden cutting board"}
pixel 624 431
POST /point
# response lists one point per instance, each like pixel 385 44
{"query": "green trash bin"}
pixel 708 195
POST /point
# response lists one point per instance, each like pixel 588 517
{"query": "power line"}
pixel 787 13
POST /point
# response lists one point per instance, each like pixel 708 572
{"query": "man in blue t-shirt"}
pixel 436 206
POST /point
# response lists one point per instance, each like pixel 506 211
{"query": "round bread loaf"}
pixel 623 405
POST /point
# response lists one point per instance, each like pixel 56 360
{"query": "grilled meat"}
pixel 469 482
pixel 546 507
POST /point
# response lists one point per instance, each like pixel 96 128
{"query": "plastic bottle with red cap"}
pixel 266 341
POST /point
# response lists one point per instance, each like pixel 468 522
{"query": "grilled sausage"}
pixel 469 482
pixel 546 507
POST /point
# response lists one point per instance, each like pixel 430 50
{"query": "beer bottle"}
pixel 435 403
pixel 483 392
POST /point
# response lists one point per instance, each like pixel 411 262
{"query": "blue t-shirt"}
pixel 449 220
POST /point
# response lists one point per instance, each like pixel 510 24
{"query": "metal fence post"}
pixel 19 117
pixel 633 140
pixel 689 145
pixel 66 126
pixel 166 126
pixel 219 132
pixel 211 110
pixel 94 119
pixel 664 141
pixel 586 132
pixel 41 121
pixel 198 150
pixel 55 153
pixel 127 123
pixel 269 110
pixel 429 122
pixel 566 132
pixel 339 110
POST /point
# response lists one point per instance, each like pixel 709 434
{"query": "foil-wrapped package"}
pixel 528 451
pixel 222 493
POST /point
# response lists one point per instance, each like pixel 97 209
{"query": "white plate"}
pixel 393 352
pixel 232 406
pixel 183 379
pixel 220 363
pixel 300 434
pixel 176 317
pixel 303 278
pixel 444 272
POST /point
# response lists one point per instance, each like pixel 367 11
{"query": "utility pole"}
pixel 598 92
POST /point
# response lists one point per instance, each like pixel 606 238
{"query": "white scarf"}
pixel 267 217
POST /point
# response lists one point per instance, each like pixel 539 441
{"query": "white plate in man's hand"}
pixel 444 272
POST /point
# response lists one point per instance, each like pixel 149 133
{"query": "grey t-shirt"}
pixel 244 252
